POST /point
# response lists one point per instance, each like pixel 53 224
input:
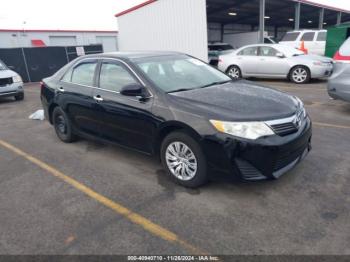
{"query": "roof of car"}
pixel 134 55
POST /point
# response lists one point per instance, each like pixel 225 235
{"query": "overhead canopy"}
pixel 280 13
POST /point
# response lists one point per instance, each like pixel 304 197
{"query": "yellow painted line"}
pixel 137 219
pixel 330 125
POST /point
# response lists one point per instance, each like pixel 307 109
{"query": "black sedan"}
pixel 197 119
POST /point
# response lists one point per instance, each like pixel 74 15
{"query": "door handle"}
pixel 98 98
pixel 61 89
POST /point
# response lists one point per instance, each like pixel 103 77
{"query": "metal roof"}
pixel 280 13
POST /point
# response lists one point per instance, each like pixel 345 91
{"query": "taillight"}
pixel 339 57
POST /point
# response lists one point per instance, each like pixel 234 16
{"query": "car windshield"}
pixel 2 66
pixel 180 73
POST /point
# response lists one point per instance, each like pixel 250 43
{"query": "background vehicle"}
pixel 314 40
pixel 215 50
pixel 249 38
pixel 339 83
pixel 11 83
pixel 275 61
pixel 191 114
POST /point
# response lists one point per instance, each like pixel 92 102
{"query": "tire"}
pixel 19 97
pixel 234 72
pixel 62 125
pixel 195 174
pixel 300 75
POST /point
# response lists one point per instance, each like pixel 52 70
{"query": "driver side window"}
pixel 114 77
pixel 268 51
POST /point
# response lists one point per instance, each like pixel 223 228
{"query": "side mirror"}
pixel 135 90
pixel 280 55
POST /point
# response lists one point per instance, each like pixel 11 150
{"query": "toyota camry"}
pixel 194 117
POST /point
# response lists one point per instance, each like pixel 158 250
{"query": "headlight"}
pixel 319 63
pixel 17 79
pixel 248 130
pixel 301 106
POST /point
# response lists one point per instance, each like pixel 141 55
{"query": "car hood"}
pixel 7 73
pixel 236 101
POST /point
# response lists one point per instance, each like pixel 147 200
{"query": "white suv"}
pixel 11 83
pixel 314 40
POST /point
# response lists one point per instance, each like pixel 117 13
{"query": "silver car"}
pixel 339 83
pixel 275 61
pixel 11 83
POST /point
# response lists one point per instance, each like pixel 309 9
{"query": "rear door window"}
pixel 322 36
pixel 83 74
pixel 289 37
pixel 309 36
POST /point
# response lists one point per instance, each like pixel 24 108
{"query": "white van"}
pixel 314 40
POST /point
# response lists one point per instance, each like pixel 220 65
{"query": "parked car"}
pixel 215 50
pixel 193 116
pixel 339 83
pixel 275 61
pixel 11 83
pixel 314 40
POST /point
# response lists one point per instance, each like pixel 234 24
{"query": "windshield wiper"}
pixel 180 90
pixel 216 83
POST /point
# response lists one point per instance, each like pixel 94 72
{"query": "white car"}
pixel 275 61
pixel 314 40
pixel 11 83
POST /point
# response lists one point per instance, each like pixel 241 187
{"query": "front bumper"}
pixel 321 71
pixel 11 89
pixel 267 158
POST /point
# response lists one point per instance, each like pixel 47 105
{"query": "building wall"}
pixel 166 25
pixel 13 39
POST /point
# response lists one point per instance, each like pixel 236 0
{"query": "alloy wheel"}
pixel 181 161
pixel 299 75
pixel 234 72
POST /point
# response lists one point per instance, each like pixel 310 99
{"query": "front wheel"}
pixel 234 72
pixel 300 75
pixel 183 159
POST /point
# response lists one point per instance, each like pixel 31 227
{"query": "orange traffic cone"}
pixel 302 47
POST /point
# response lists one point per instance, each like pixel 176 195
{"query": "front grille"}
pixel 289 157
pixel 284 129
pixel 6 81
pixel 248 171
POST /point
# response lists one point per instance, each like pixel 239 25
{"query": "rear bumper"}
pixel 264 159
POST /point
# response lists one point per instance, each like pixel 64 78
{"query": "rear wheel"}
pixel 184 160
pixel 62 126
pixel 300 75
pixel 19 97
pixel 234 72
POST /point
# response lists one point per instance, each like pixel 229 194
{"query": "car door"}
pixel 247 60
pixel 125 120
pixel 74 94
pixel 271 63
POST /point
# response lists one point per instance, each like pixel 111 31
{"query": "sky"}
pixel 78 14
